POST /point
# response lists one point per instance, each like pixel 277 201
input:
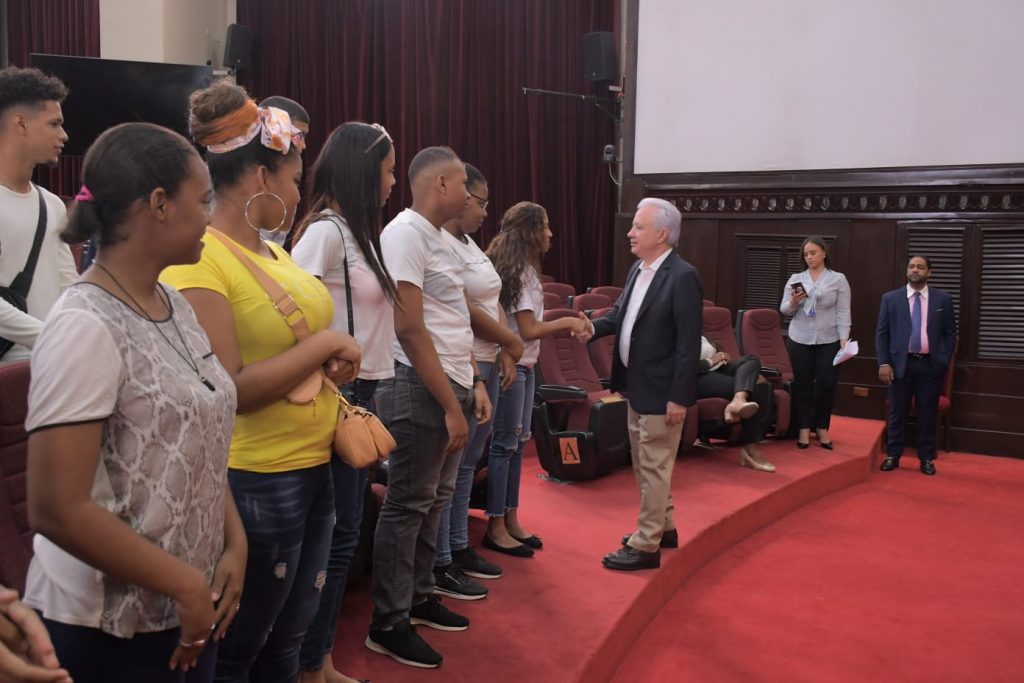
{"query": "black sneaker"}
pixel 450 581
pixel 435 615
pixel 472 564
pixel 404 645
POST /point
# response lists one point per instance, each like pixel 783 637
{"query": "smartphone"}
pixel 798 288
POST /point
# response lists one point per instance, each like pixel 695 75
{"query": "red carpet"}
pixel 902 578
pixel 561 616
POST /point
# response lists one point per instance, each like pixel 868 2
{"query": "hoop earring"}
pixel 284 211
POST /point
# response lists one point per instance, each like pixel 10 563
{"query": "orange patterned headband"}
pixel 238 128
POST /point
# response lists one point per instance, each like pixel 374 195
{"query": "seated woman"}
pixel 737 380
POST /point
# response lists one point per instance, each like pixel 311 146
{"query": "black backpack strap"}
pixel 23 282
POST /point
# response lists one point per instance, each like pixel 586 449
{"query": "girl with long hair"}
pixel 339 242
pixel 516 253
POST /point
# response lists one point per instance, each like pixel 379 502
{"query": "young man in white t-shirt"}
pixel 426 406
pixel 31 133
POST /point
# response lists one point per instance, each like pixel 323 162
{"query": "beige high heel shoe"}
pixel 747 460
pixel 738 410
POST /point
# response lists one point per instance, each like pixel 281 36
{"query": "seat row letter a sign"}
pixel 570 448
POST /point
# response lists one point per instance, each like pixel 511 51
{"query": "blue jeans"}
pixel 512 420
pixel 421 479
pixel 288 517
pixel 92 656
pixel 349 497
pixel 453 534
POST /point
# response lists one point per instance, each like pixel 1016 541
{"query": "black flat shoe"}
pixel 532 541
pixel 928 467
pixel 827 445
pixel 669 539
pixel 802 446
pixel 890 464
pixel 515 551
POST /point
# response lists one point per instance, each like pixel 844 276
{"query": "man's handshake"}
pixel 583 329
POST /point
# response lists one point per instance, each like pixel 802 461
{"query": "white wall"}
pixel 169 31
pixel 132 30
pixel 753 85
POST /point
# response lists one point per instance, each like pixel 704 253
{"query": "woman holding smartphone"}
pixel 818 298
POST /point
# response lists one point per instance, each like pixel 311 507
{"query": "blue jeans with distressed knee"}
pixel 288 517
pixel 349 499
pixel 512 420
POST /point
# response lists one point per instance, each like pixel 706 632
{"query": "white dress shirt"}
pixel 640 287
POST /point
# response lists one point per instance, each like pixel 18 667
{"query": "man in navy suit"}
pixel 657 322
pixel 915 340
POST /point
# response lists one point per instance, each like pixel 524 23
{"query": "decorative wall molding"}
pixel 844 201
pixel 919 192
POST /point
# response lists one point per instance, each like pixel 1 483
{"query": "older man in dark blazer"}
pixel 657 322
pixel 915 340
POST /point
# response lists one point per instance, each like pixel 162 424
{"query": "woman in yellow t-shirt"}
pixel 280 452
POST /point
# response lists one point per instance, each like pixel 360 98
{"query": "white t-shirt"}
pixel 415 253
pixel 531 298
pixel 483 286
pixel 163 452
pixel 55 269
pixel 320 252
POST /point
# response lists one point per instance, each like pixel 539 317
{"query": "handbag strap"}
pixel 348 281
pixel 282 300
pixel 22 282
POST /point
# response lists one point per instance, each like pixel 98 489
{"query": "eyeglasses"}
pixel 383 134
pixel 483 200
pixel 298 139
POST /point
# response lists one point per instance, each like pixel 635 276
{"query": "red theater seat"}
pixel 579 426
pixel 15 534
pixel 717 327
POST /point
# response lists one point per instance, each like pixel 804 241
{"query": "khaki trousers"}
pixel 653 446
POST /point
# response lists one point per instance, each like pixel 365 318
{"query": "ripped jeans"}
pixel 512 420
pixel 288 518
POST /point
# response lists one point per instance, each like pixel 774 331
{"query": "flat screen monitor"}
pixel 106 92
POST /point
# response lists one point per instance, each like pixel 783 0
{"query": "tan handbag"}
pixel 360 438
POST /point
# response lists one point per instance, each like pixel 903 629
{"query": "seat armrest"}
pixel 774 373
pixel 554 393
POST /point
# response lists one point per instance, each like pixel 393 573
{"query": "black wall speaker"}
pixel 237 46
pixel 600 63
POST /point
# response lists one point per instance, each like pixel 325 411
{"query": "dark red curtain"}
pixel 451 72
pixel 55 27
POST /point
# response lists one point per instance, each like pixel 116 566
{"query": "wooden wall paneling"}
pixel 1000 324
pixel 699 243
pixel 623 258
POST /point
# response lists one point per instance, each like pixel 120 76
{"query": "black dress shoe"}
pixel 802 446
pixel 827 445
pixel 669 539
pixel 515 551
pixel 890 464
pixel 629 559
pixel 530 541
pixel 928 467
